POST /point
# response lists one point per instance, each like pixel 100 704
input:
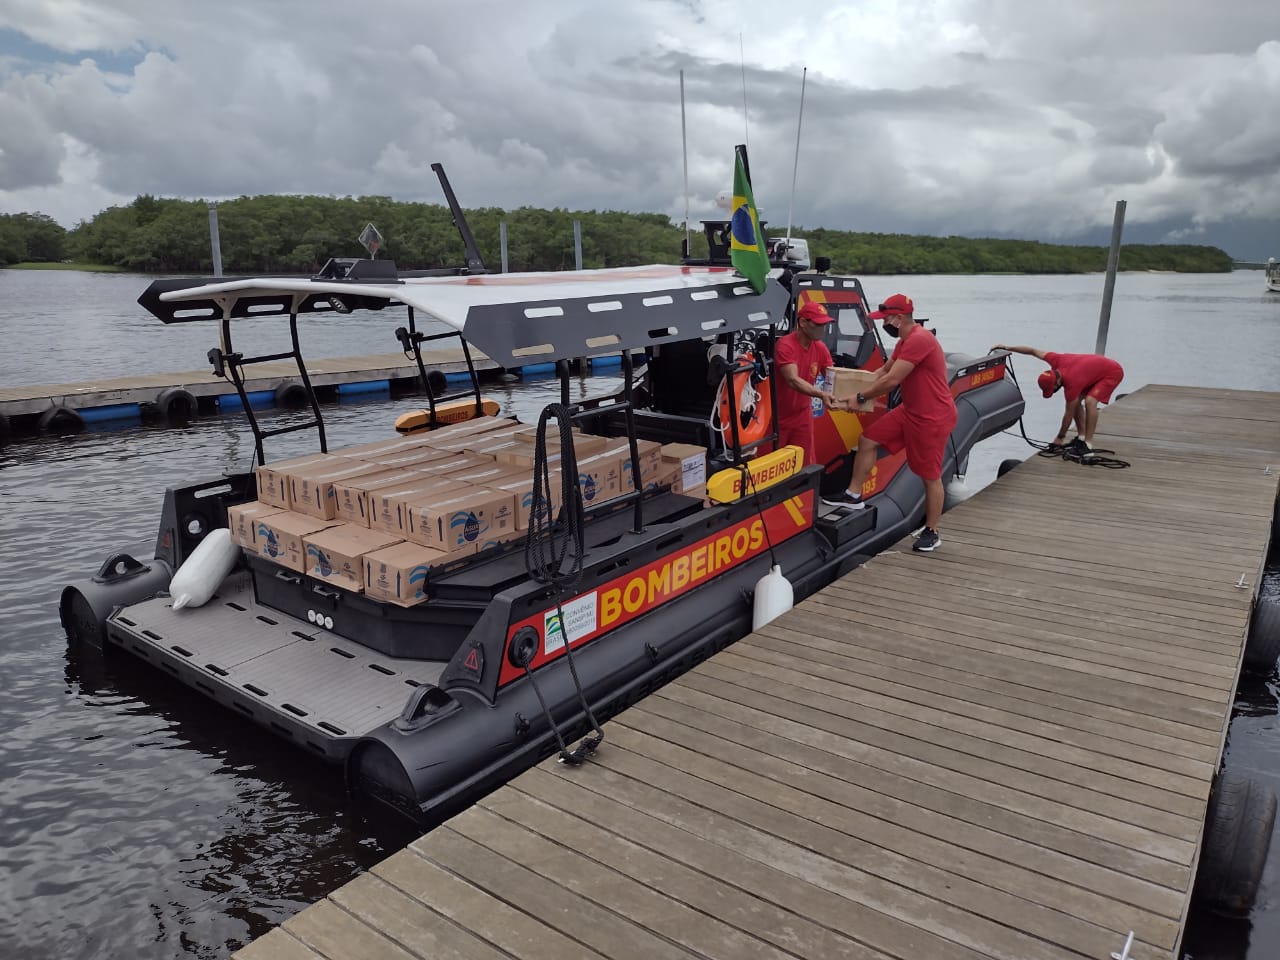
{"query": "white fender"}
pixel 956 491
pixel 774 597
pixel 203 572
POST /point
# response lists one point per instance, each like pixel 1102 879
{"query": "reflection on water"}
pixel 135 821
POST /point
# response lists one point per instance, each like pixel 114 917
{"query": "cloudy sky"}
pixel 1018 118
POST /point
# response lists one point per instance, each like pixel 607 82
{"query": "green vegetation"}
pixel 68 265
pixel 31 237
pixel 296 234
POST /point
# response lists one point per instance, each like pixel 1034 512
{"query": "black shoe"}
pixel 1078 446
pixel 928 541
pixel 845 500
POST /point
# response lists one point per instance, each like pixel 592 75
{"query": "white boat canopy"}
pixel 514 318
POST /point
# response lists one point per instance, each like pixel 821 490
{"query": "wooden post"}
pixel 1113 262
pixel 502 242
pixel 577 245
pixel 214 240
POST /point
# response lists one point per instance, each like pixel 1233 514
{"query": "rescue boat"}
pixel 475 667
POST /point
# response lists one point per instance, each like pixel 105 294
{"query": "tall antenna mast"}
pixel 742 60
pixel 796 166
pixel 684 147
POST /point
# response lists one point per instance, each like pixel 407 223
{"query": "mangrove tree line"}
pixel 296 234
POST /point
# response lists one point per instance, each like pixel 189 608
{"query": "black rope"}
pixel 553 544
pixel 1074 452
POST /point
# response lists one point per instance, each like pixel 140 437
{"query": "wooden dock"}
pixel 1003 749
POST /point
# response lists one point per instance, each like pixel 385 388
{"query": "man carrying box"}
pixel 921 423
pixel 800 358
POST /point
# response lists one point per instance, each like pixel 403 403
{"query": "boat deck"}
pixel 305 682
pixel 1003 749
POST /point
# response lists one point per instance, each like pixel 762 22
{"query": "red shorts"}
pixel 798 433
pixel 1103 389
pixel 926 444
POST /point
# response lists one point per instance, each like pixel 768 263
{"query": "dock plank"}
pixel 1003 750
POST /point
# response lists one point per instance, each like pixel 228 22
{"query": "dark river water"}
pixel 137 822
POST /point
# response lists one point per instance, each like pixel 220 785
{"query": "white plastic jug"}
pixel 774 597
pixel 203 572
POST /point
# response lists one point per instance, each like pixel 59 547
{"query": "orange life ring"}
pixel 751 400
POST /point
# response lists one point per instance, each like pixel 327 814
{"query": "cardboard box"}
pixel 517 453
pixel 650 452
pixel 273 478
pixel 668 476
pixel 464 428
pixel 242 519
pixel 693 466
pixel 600 477
pixel 473 440
pixel 410 458
pixel 850 383
pixel 336 554
pixel 452 518
pixel 311 486
pixel 584 444
pixel 401 573
pixel 386 505
pixel 496 539
pixel 279 537
pixel 487 474
pixel 352 496
pixel 521 487
pixel 370 451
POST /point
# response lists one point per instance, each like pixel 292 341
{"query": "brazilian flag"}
pixel 746 246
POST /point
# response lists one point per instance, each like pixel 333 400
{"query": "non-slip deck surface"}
pixel 260 658
pixel 1003 749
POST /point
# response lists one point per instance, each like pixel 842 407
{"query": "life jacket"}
pixel 751 395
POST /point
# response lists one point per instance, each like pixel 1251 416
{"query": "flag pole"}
pixel 746 140
pixel 796 166
pixel 684 147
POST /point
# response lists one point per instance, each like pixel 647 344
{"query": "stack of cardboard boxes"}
pixel 381 517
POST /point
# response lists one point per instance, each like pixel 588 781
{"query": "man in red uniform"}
pixel 1086 380
pixel 921 423
pixel 799 358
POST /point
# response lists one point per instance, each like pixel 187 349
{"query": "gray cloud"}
pixel 976 117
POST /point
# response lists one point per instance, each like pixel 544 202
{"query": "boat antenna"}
pixel 684 147
pixel 743 62
pixel 796 166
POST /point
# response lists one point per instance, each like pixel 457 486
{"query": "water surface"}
pixel 135 821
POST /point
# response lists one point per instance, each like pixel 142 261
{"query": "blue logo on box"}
pixel 465 527
pixel 272 545
pixel 321 561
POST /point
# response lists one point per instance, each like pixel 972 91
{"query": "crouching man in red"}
pixel 1086 380
pixel 920 424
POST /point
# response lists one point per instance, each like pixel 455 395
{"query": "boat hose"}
pixel 1071 452
pixel 553 543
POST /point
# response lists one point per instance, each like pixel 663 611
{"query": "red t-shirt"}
pixel 1080 371
pixel 925 393
pixel 794 406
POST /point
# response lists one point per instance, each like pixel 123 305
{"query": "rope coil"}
pixel 553 543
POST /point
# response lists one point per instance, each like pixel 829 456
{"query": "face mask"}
pixel 890 329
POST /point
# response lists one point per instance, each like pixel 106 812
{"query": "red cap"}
pixel 895 306
pixel 814 312
pixel 1048 384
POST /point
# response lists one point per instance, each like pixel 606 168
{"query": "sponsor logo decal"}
pixel 633 594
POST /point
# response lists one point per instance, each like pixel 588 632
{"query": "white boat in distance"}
pixel 1273 275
